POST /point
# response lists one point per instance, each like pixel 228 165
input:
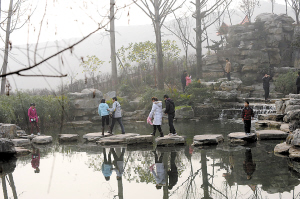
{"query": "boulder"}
pixel 42 139
pixel 135 103
pixel 294 153
pixel 108 96
pixel 294 125
pixel 116 139
pixel 8 166
pixel 170 140
pixel 68 137
pixel 292 115
pixel 21 142
pixel 280 107
pixel 282 148
pixel 225 96
pixel 285 127
pixel 186 112
pixel 93 137
pixel 8 131
pixel 21 151
pixel 242 136
pixel 139 139
pixel 7 146
pixel 296 138
pixel 204 110
pixel 92 93
pixel 211 59
pixel 85 103
pixel 264 17
pixel 231 85
pixel 272 116
pixel 271 135
pixel 291 108
pixel 200 140
pixel 21 133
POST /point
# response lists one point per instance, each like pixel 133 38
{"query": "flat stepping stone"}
pixel 140 139
pixel 238 137
pixel 42 139
pixel 268 123
pixel 93 137
pixel 282 148
pixel 68 137
pixel 271 135
pixel 200 140
pixel 21 151
pixel 272 116
pixel 116 139
pixel 21 142
pixel 285 127
pixel 294 153
pixel 170 140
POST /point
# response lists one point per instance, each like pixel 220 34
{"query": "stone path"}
pixel 140 139
pixel 170 140
pixel 21 151
pixel 200 140
pixel 241 137
pixel 271 135
pixel 21 142
pixel 93 137
pixel 68 137
pixel 268 123
pixel 42 139
pixel 116 139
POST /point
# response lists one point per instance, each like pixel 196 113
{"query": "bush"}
pixel 286 83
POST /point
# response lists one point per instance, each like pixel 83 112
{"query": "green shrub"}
pixel 286 83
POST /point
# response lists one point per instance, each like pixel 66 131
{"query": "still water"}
pixel 82 170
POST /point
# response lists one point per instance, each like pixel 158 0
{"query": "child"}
pixel 247 115
pixel 104 113
pixel 188 79
pixel 157 114
pixel 33 118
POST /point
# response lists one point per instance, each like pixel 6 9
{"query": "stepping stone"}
pixel 271 135
pixel 140 139
pixel 21 133
pixel 294 153
pixel 21 142
pixel 7 146
pixel 68 137
pixel 116 139
pixel 282 148
pixel 170 140
pixel 200 140
pixel 239 137
pixel 93 137
pixel 285 127
pixel 268 123
pixel 79 123
pixel 21 151
pixel 272 116
pixel 42 139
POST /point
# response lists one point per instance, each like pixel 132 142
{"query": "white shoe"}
pixel 32 134
pixel 170 134
pixel 38 134
pixel 175 134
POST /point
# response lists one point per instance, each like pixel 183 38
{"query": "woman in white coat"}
pixel 157 114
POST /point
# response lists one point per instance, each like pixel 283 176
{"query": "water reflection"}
pixel 173 172
pixel 35 159
pixel 7 167
pixel 107 165
pixel 248 165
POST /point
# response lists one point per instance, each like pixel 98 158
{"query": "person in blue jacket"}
pixel 104 113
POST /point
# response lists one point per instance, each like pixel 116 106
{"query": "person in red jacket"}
pixel 247 115
pixel 33 118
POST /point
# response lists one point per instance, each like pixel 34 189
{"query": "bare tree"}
pixel 286 7
pixel 113 45
pixel 295 5
pixel 273 4
pixel 157 11
pixel 248 7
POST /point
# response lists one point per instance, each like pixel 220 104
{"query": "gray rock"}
pixel 139 139
pixel 21 133
pixel 279 107
pixel 8 131
pixel 93 137
pixel 135 103
pixel 68 137
pixel 264 17
pixel 242 136
pixel 292 115
pixel 21 142
pixel 231 85
pixel 116 139
pixel 273 117
pixel 211 59
pixel 285 127
pixel 282 148
pixel 86 103
pixel 294 96
pixel 7 166
pixel 184 113
pixel 170 140
pixel 7 146
pixel 268 123
pixel 291 108
pixel 92 93
pixel 225 96
pixel 296 138
pixel 294 125
pixel 200 140
pixel 271 135
pixel 42 139
pixel 21 151
pixel 294 153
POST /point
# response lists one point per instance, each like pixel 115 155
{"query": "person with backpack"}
pixel 170 111
pixel 104 114
pixel 116 114
pixel 247 115
pixel 157 114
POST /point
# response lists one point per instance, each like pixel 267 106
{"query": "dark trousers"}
pixel 171 125
pixel 267 91
pixel 183 87
pixel 105 120
pixel 120 122
pixel 156 127
pixel 247 126
pixel 298 89
pixel 228 76
pixel 160 159
pixel 32 126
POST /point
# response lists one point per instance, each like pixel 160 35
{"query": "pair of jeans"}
pixel 120 122
pixel 36 125
pixel 247 126
pixel 156 127
pixel 228 76
pixel 298 89
pixel 105 120
pixel 171 125
pixel 267 91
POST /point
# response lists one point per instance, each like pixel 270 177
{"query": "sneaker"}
pixel 32 134
pixel 38 134
pixel 174 134
pixel 170 134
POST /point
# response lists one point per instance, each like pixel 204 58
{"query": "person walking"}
pixel 33 119
pixel 298 83
pixel 116 115
pixel 247 115
pixel 157 114
pixel 104 114
pixel 228 69
pixel 170 111
pixel 266 85
pixel 188 79
pixel 183 80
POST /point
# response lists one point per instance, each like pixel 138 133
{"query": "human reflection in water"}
pixel 160 174
pixel 35 159
pixel 173 172
pixel 229 175
pixel 118 162
pixel 107 165
pixel 249 165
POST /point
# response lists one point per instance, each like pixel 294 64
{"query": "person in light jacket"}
pixel 104 113
pixel 116 115
pixel 157 114
pixel 161 172
pixel 228 69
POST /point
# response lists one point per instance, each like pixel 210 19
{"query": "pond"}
pixel 82 170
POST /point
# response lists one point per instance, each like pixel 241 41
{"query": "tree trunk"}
pixel 159 52
pixel 5 59
pixel 113 45
pixel 198 40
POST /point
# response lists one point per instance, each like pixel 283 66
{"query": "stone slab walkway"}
pixel 170 140
pixel 116 139
pixel 241 136
pixel 200 140
pixel 93 137
pixel 140 139
pixel 21 142
pixel 271 135
pixel 68 137
pixel 42 139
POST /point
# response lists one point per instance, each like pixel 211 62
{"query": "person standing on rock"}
pixel 157 114
pixel 170 111
pixel 266 85
pixel 298 83
pixel 228 69
pixel 183 80
pixel 247 115
pixel 104 114
pixel 33 118
pixel 116 113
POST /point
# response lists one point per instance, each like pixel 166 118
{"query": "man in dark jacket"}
pixel 247 115
pixel 266 85
pixel 170 111
pixel 298 83
pixel 183 80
